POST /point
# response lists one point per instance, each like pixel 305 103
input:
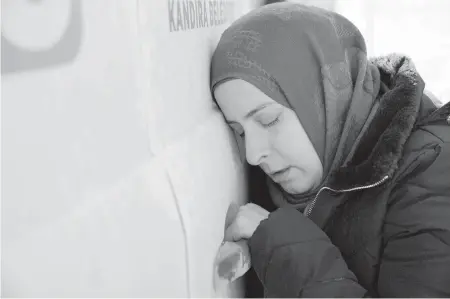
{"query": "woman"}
pixel 357 158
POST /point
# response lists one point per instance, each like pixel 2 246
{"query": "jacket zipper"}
pixel 311 205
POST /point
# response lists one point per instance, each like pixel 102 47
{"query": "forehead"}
pixel 237 97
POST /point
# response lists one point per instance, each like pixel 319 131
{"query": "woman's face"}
pixel 273 136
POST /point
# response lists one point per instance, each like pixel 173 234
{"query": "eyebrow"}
pixel 252 112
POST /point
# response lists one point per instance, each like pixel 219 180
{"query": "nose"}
pixel 256 147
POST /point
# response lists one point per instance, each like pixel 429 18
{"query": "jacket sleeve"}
pixel 416 252
pixel 293 257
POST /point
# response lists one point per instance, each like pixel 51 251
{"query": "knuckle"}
pixel 240 221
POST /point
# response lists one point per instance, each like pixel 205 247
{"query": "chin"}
pixel 292 188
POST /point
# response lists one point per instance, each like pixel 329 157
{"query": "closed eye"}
pixel 270 119
pixel 272 123
pixel 268 125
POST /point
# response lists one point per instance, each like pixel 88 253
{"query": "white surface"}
pixel 196 144
pixel 204 178
pixel 117 171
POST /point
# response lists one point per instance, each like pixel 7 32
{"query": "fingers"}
pixel 232 262
pixel 233 232
pixel 257 209
pixel 245 223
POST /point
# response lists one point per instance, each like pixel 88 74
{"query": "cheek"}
pixel 240 142
pixel 292 144
pixel 296 150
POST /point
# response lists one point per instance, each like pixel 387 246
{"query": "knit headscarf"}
pixel 312 61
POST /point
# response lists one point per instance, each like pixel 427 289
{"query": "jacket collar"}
pixel 381 146
pixel 437 116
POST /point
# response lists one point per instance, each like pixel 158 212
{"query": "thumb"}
pixel 232 233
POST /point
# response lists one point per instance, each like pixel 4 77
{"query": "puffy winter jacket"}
pixel 382 227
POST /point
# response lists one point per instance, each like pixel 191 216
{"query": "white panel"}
pixel 117 171
pixel 178 60
pixel 202 161
pixel 121 241
pixel 207 177
pixel 86 208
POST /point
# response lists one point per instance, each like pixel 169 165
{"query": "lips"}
pixel 280 175
pixel 279 171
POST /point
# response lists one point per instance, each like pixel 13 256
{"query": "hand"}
pixel 244 225
pixel 232 262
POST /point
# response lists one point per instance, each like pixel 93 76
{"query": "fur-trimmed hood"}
pixel 381 146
